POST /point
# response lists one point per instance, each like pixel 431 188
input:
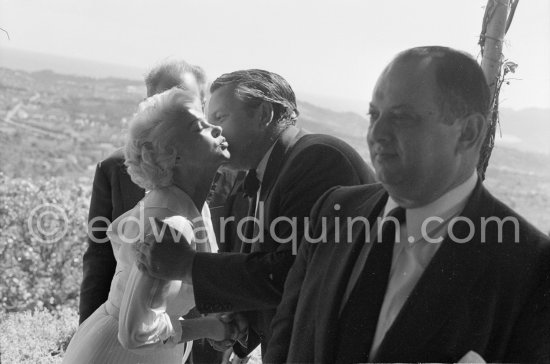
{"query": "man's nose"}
pixel 216 131
pixel 379 130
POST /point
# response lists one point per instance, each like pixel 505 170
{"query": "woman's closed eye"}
pixel 199 126
pixel 219 118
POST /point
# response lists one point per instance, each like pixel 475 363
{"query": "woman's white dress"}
pixel 143 312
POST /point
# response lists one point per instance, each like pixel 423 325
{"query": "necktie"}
pixel 359 318
pixel 251 184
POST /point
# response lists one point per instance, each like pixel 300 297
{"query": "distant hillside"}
pixel 18 59
pixel 345 125
pixel 522 180
pixel 60 125
pixel 526 129
pixel 52 125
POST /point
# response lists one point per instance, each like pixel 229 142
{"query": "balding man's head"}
pixel 428 121
pixel 462 86
pixel 177 73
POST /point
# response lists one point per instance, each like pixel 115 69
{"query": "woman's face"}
pixel 199 143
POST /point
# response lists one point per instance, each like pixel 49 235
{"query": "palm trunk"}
pixel 491 40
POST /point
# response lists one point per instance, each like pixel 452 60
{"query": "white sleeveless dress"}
pixel 143 312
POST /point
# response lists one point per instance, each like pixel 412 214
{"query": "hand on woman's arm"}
pixel 239 331
pixel 218 328
pixel 166 257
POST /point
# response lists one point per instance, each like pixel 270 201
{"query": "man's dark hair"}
pixel 460 79
pixel 168 73
pixel 255 86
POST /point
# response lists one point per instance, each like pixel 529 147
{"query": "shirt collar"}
pixel 174 198
pixel 447 206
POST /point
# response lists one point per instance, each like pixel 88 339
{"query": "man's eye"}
pixel 401 118
pixel 372 115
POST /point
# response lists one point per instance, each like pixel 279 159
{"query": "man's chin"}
pixel 389 178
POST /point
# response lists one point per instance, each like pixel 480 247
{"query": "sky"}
pixel 333 48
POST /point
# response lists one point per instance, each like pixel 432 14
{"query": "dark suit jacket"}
pixel 300 169
pixel 493 298
pixel 113 194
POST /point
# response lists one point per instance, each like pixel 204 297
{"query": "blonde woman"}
pixel 172 152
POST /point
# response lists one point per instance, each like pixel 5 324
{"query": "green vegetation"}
pixel 40 269
pixel 38 336
pixel 40 273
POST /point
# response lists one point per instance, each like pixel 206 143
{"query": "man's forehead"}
pixel 413 73
pixel 224 96
pixel 414 66
pixel 406 87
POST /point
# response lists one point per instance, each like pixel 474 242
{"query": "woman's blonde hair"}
pixel 149 151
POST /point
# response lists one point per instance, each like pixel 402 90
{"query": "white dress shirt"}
pixel 414 249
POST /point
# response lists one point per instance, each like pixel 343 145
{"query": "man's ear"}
pixel 266 114
pixel 473 130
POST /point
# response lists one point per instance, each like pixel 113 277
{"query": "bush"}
pixel 39 266
pixel 36 337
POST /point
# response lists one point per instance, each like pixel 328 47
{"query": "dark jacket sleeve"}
pixel 283 321
pixel 98 262
pixel 244 282
pixel 530 341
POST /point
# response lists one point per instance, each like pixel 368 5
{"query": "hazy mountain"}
pixel 526 129
pixel 358 104
pixel 34 61
pixel 60 125
pixel 345 125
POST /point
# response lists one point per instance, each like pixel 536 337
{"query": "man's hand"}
pixel 162 257
pixel 236 330
pixel 472 357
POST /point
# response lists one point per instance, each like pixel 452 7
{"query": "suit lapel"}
pixel 130 192
pixel 337 276
pixel 279 154
pixel 445 282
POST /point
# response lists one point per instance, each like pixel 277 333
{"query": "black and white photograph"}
pixel 260 181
